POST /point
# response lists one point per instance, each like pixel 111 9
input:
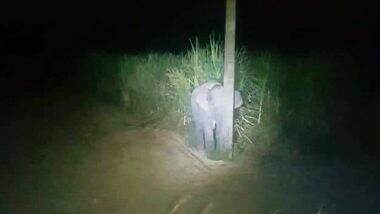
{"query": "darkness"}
pixel 39 26
pixel 52 31
pixel 38 39
pixel 73 26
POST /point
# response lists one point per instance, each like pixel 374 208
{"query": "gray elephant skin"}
pixel 208 114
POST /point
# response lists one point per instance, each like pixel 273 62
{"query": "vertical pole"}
pixel 229 72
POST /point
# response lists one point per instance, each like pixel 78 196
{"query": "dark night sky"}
pixel 132 24
pixel 56 28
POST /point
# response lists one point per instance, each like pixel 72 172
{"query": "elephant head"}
pixel 211 93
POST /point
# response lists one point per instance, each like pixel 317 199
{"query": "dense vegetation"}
pixel 284 96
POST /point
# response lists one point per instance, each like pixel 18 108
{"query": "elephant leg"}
pixel 222 143
pixel 200 145
pixel 209 138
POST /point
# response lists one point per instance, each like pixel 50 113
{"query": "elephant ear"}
pixel 203 99
pixel 238 100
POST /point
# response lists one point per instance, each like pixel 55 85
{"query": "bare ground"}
pixel 98 159
pixel 74 155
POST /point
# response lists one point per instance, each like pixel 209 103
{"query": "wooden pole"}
pixel 229 72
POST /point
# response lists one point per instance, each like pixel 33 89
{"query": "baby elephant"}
pixel 208 113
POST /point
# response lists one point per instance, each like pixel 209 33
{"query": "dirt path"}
pixel 61 158
pixel 151 171
pixel 75 156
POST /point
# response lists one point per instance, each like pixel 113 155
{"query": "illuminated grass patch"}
pixel 280 93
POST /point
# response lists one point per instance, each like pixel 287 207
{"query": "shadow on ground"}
pixel 69 153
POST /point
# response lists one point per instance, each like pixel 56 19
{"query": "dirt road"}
pixel 74 155
pixel 94 158
pixel 151 171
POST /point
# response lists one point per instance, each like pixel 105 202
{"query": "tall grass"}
pixel 198 65
pixel 258 78
pixel 159 85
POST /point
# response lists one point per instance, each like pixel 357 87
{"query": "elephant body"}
pixel 209 113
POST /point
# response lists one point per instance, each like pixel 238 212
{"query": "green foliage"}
pixel 161 83
pixel 143 88
pixel 304 96
pixel 258 78
pixel 103 71
pixel 198 65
